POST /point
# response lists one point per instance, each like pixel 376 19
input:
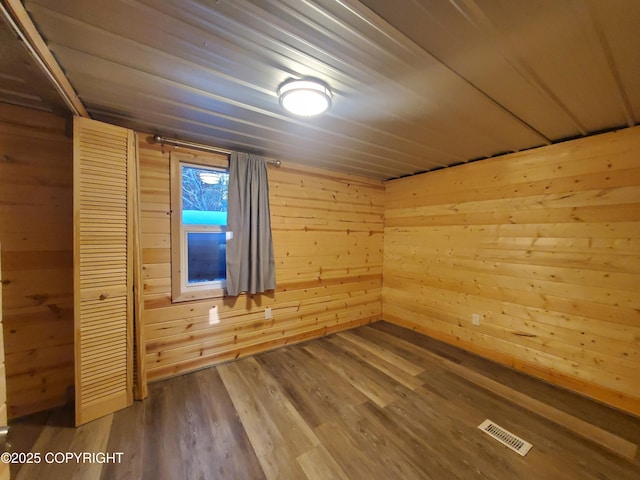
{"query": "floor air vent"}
pixel 505 437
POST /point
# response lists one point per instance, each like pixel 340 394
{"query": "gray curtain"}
pixel 250 262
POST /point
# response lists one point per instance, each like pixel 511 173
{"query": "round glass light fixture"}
pixel 306 97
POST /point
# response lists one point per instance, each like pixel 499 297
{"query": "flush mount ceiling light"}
pixel 306 97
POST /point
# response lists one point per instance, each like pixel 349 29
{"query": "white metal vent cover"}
pixel 505 437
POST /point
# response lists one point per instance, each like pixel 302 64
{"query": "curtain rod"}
pixel 199 146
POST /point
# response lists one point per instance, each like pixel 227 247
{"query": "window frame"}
pixel 180 290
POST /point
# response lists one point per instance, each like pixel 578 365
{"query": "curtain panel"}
pixel 250 259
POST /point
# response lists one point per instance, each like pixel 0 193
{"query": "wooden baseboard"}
pixel 247 350
pixel 612 398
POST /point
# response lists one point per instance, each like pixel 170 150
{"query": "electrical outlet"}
pixel 267 313
pixel 475 319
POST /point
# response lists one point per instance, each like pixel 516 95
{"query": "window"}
pixel 199 193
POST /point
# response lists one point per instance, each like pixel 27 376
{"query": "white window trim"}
pixel 180 291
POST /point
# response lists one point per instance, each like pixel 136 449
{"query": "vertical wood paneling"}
pixel 103 268
pixel 327 231
pixel 4 466
pixel 543 245
pixel 36 234
pixel 139 340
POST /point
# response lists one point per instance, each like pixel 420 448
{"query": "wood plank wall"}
pixel 36 202
pixel 328 239
pixel 4 466
pixel 544 245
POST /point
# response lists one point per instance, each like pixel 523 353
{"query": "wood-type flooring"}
pixel 376 402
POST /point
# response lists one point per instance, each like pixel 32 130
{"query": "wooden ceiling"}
pixel 418 84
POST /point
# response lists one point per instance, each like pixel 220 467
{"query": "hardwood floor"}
pixel 375 402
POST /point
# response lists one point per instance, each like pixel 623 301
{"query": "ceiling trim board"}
pixel 17 17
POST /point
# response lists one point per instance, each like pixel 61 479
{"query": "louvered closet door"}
pixel 102 268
